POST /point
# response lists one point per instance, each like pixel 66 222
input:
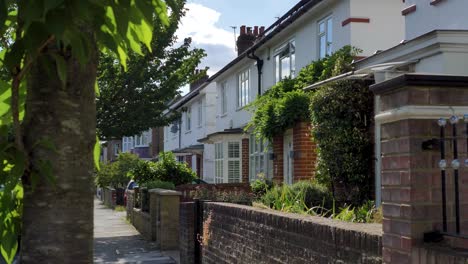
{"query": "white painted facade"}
pixel 447 14
pixel 200 112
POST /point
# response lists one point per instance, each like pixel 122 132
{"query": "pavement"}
pixel 117 241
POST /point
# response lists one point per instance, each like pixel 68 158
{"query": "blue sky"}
pixel 209 23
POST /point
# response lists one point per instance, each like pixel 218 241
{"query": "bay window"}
pixel 228 162
pixel 259 160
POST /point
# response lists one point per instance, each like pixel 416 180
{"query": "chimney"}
pixel 262 31
pixel 195 84
pixel 247 38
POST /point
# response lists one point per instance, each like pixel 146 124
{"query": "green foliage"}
pixel 52 32
pixel 132 101
pixel 366 213
pixel 302 197
pixel 260 186
pixel 166 169
pixel 286 103
pixel 118 173
pixel 157 184
pixel 342 114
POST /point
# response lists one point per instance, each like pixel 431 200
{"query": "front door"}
pixel 288 158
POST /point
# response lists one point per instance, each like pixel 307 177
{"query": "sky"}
pixel 209 22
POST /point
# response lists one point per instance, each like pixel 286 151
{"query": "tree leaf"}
pixel 97 153
pixel 96 88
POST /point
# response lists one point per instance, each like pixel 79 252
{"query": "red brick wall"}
pixel 245 160
pixel 278 160
pixel 305 152
pixel 230 188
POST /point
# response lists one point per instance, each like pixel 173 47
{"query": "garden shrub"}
pixel 118 173
pixel 261 185
pixel 167 169
pixel 157 184
pixel 342 117
pixel 302 197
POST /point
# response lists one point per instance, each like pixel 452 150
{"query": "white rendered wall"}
pixel 448 14
pixel 208 163
pixel 385 29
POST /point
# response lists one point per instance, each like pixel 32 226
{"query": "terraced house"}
pixel 308 31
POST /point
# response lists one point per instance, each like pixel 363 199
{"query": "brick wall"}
pixel 305 152
pixel 236 188
pixel 278 160
pixel 411 178
pixel 243 234
pixel 245 160
pixel 142 222
pixel 186 232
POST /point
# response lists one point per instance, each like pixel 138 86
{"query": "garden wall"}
pixel 142 222
pixel 242 234
pixel 232 188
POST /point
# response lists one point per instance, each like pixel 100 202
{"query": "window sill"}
pixel 223 115
pixel 188 132
pixel 241 108
pixel 140 146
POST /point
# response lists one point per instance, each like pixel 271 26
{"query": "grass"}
pixel 120 208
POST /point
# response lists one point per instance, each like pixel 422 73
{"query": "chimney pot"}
pixel 262 30
pixel 249 30
pixel 256 31
pixel 242 30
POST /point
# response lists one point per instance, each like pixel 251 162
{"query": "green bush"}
pixel 342 117
pixel 260 187
pixel 118 173
pixel 157 184
pixel 302 197
pixel 167 169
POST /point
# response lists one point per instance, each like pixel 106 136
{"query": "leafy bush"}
pixel 118 173
pixel 342 116
pixel 366 213
pixel 260 186
pixel 285 104
pixel 166 169
pixel 157 184
pixel 302 197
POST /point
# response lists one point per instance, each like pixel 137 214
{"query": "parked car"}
pixel 130 186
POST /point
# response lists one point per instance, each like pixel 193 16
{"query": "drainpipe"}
pixel 259 69
pixel 180 132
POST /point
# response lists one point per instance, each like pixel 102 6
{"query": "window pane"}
pixel 323 44
pixel 233 171
pixel 278 70
pixel 233 150
pixel 285 67
pixel 322 27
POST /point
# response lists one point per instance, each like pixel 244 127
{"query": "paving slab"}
pixel 116 241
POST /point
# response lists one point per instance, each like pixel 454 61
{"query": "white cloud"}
pixel 199 23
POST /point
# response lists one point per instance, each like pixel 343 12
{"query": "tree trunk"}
pixel 58 217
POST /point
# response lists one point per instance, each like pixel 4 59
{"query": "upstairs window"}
pixel 223 94
pixel 325 37
pixel 285 59
pixel 243 89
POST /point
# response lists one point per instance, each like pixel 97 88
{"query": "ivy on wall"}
pixel 286 103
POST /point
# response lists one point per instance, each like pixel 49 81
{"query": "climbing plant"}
pixel 48 61
pixel 286 103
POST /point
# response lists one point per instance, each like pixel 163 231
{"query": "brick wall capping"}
pixel 410 9
pixel 164 192
pixel 355 20
pixel 435 2
pixel 419 80
pixel 368 228
pixel 419 112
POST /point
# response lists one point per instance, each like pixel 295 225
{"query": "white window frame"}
pixel 200 113
pixel 219 163
pixel 259 159
pixel 286 52
pixel 234 159
pixel 325 33
pixel 223 96
pixel 243 88
pixel 142 140
pixel 127 144
pixel 188 119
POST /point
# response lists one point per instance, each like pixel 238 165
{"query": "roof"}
pixel 283 22
pixel 231 131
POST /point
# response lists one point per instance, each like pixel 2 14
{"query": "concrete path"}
pixel 116 241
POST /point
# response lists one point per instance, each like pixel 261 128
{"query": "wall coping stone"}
pixel 164 192
pixel 368 228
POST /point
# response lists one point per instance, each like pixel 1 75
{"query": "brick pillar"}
pixel 245 160
pixel 407 110
pixel 164 217
pixel 278 160
pixel 305 152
